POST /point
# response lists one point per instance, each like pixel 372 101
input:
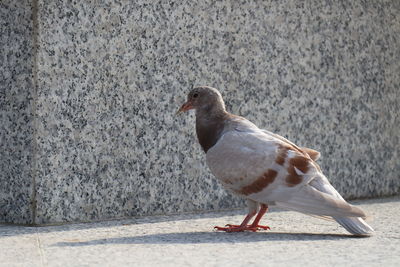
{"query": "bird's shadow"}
pixel 206 237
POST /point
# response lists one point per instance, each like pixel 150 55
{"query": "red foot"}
pixel 237 228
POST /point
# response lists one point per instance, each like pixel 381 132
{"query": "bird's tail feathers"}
pixel 311 201
pixel 316 203
pixel 356 226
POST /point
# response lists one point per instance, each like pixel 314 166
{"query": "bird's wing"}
pixel 263 168
pixel 314 154
pixel 246 159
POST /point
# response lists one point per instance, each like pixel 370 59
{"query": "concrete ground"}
pixel 189 240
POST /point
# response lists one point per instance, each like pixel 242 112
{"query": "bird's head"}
pixel 204 99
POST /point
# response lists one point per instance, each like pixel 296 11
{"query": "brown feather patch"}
pixel 302 164
pixel 282 154
pixel 259 184
pixel 293 179
pixel 314 154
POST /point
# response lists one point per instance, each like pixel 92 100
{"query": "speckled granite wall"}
pixel 111 74
pixel 16 111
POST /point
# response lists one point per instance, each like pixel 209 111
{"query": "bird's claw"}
pixel 264 227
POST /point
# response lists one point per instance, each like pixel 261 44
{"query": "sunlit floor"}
pixel 189 240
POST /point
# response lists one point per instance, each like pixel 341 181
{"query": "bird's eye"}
pixel 195 95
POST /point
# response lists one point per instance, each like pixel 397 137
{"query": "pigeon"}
pixel 265 168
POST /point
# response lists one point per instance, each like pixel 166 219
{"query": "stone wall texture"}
pixel 89 90
pixel 17 90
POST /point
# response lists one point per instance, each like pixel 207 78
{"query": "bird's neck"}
pixel 215 109
pixel 210 125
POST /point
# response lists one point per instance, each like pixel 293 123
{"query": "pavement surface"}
pixel 189 240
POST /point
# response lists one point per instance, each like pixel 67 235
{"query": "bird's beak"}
pixel 185 107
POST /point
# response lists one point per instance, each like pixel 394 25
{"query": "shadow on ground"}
pixel 7 230
pixel 206 237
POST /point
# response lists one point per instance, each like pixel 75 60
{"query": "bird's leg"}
pixel 263 210
pixel 255 226
pixel 238 228
pixel 244 226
